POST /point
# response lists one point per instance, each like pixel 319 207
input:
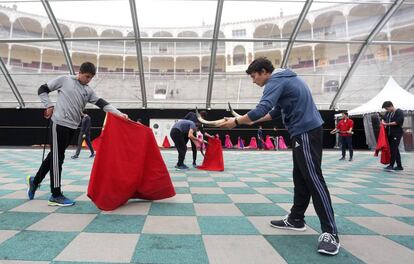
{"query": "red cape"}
pixel 213 159
pixel 383 146
pixel 127 165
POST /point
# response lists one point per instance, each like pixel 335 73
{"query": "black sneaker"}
pixel 92 155
pixel 389 167
pixel 74 157
pixel 350 159
pixel 343 158
pixel 287 223
pixel 328 244
pixel 398 168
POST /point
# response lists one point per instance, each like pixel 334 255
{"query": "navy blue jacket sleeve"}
pixel 270 97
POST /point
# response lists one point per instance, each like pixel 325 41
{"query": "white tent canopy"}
pixel 391 92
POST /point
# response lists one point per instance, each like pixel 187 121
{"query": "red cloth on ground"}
pixel 282 144
pixel 268 144
pixel 213 159
pixel 253 143
pixel 96 143
pixel 128 165
pixel 383 146
pixel 166 143
pixel 228 143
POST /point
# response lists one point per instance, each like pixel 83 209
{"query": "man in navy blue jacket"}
pixel 288 95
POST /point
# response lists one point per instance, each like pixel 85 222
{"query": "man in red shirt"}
pixel 344 127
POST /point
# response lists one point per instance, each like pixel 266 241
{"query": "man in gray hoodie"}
pixel 73 95
pixel 286 94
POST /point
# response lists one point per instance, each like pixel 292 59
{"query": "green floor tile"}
pixel 260 184
pixel 179 178
pixel 407 241
pixel 19 220
pixel 238 190
pixel 344 226
pixel 34 245
pixel 116 224
pixel 407 220
pixel 302 249
pixel 353 210
pixel 4 192
pixel 81 207
pixel 182 190
pixel 369 191
pixel 408 206
pixel 258 209
pixel 280 198
pixel 225 179
pixel 172 209
pixel 211 198
pixel 226 225
pixel 7 204
pixel 203 184
pixel 360 198
pixel 180 249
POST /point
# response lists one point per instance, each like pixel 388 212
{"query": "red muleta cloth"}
pixel 383 146
pixel 213 159
pixel 128 165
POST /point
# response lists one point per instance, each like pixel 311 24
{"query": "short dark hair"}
pixel 88 67
pixel 345 113
pixel 85 112
pixel 260 64
pixel 387 104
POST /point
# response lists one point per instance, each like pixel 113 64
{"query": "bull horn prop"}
pixel 234 112
pixel 214 123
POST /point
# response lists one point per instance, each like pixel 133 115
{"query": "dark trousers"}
pixel 60 139
pixel 87 136
pixel 346 141
pixel 194 149
pixel 180 141
pixel 394 142
pixel 309 182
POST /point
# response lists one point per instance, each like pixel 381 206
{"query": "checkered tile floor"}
pixel 216 217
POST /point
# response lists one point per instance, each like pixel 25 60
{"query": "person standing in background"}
pixel 85 133
pixel 344 127
pixel 393 122
pixel 260 139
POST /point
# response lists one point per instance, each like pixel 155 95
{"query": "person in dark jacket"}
pixel 393 122
pixel 85 133
pixel 284 92
pixel 260 138
pixel 193 117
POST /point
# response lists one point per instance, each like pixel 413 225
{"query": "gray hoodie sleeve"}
pixel 45 89
pixel 101 103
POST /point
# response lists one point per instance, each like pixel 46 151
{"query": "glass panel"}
pixel 323 67
pixel 179 18
pixel 176 73
pixel 35 57
pixel 7 98
pixel 92 14
pixel 27 19
pixel 346 20
pixel 400 26
pixel 264 19
pixel 374 71
pixel 28 82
